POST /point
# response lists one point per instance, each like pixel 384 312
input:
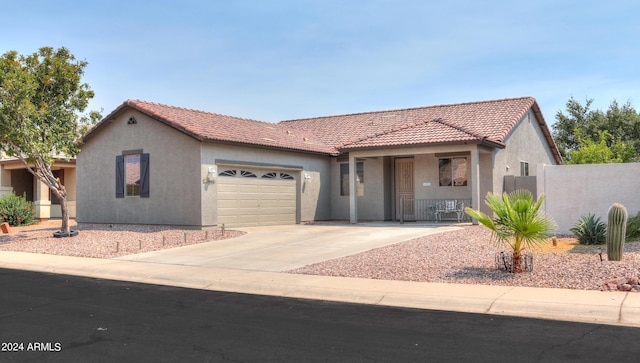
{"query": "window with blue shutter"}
pixel 144 176
pixel 119 176
pixel 132 175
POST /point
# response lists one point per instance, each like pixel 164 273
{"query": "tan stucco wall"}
pixel 70 176
pixel 525 143
pixel 175 178
pixel 5 177
pixel 312 205
pixel 427 171
pixel 373 204
pixel 573 191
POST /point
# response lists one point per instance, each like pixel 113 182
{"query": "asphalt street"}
pixel 60 318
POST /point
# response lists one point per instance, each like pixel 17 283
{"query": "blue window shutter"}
pixel 119 176
pixel 144 176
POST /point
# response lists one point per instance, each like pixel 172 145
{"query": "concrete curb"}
pixel 614 308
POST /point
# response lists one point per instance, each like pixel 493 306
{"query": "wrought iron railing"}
pixel 433 210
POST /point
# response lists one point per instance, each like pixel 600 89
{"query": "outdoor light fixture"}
pixel 307 177
pixel 211 175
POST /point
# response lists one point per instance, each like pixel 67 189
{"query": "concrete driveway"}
pixel 282 248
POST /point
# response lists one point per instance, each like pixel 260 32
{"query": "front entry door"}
pixel 405 188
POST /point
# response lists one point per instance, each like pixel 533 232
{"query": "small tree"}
pixel 518 222
pixel 41 104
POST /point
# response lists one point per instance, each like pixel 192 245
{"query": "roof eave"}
pixel 484 141
pixel 273 147
pixel 130 104
pixel 547 133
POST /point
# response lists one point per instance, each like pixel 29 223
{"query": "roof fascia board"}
pixel 267 147
pixel 237 163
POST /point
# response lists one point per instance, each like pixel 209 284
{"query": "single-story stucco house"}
pixel 150 163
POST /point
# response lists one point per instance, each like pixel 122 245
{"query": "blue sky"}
pixel 278 60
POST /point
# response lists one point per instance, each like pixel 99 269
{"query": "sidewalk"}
pixel 616 308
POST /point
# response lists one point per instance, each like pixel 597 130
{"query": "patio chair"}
pixel 450 206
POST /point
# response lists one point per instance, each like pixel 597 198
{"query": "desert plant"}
pixel 633 228
pixel 518 222
pixel 16 210
pixel 590 230
pixel 616 231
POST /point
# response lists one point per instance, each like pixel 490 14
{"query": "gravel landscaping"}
pixel 103 240
pixel 467 256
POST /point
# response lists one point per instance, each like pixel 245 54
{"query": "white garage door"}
pixel 256 198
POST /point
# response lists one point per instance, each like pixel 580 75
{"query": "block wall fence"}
pixel 572 191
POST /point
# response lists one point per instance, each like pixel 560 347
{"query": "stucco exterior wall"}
pixel 175 178
pixel 573 191
pixel 373 204
pixel 427 172
pixel 526 142
pixel 314 202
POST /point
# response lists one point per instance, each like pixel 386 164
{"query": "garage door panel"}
pixel 227 204
pixel 265 189
pixel 287 205
pixel 256 201
pixel 266 204
pixel 248 203
pixel 249 219
pixel 287 189
pixel 252 189
pixel 227 188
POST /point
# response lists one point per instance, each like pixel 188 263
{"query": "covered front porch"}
pixel 15 178
pixel 431 183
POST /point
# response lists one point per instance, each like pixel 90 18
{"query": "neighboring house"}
pixel 15 178
pixel 157 164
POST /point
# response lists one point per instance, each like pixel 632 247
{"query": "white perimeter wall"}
pixel 576 190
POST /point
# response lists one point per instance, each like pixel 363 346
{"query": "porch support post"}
pixel 475 181
pixel 353 194
pixel 42 203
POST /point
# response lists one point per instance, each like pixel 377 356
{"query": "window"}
pixel 524 168
pixel 452 172
pixel 252 174
pixel 227 173
pixel 247 174
pixel 344 179
pixel 132 175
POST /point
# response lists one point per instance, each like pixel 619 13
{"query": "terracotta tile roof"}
pixel 206 126
pixel 487 122
pixel 429 132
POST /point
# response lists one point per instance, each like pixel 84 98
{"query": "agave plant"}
pixel 518 222
pixel 590 230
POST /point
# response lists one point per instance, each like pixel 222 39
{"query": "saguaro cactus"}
pixel 616 230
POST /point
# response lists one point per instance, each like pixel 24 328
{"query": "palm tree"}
pixel 518 222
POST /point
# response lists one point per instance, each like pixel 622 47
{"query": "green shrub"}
pixel 633 228
pixel 16 211
pixel 590 230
